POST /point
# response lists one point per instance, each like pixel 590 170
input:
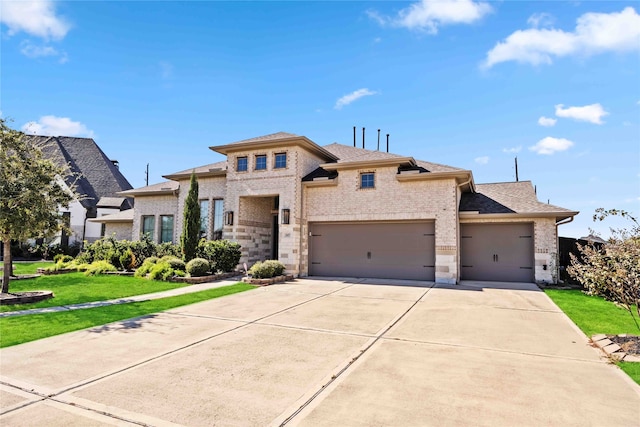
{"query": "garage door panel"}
pixel 499 252
pixel 391 250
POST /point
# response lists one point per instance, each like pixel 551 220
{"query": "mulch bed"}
pixel 24 297
pixel 629 343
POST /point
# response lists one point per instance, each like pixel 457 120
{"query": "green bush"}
pixel 266 269
pixel 146 267
pixel 175 263
pixel 142 249
pixel 168 248
pixel 99 267
pixel 62 258
pixel 222 255
pixel 198 267
pixel 127 260
pixel 163 271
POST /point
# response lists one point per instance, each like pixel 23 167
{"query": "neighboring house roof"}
pixel 593 239
pixel 165 187
pixel 212 169
pixel 111 202
pixel 90 170
pixel 122 216
pixel 509 198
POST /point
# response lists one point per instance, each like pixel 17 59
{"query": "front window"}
pixel 148 225
pixel 166 228
pixel 204 219
pixel 218 218
pixel 242 164
pixel 261 162
pixel 367 180
pixel 280 161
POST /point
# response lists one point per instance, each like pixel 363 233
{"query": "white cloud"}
pixel 541 20
pixel 31 50
pixel 546 121
pixel 35 17
pixel 57 126
pixel 589 113
pixel 482 160
pixel 550 145
pixel 512 149
pixel 594 33
pixel 353 96
pixel 429 15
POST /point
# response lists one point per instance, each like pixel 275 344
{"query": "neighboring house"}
pixel 96 179
pixel 339 210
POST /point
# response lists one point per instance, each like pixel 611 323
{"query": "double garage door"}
pixel 378 250
pixel 497 252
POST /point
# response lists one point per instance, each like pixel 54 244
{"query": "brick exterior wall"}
pixel 155 206
pixel 119 230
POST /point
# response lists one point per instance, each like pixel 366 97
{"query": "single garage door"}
pixel 498 252
pixel 379 250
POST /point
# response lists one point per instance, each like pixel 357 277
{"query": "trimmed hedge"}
pixel 222 255
pixel 198 267
pixel 266 269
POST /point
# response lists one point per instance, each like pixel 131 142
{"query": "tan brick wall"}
pixel 156 206
pixel 390 200
pixel 545 244
pixel 209 188
pixel 119 230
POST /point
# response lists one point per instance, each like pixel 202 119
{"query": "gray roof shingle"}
pixel 270 137
pixel 90 170
pixel 161 187
pixel 202 169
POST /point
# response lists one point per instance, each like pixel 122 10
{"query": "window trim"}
pixel 208 224
pixel 361 181
pixel 255 162
pixel 153 229
pixel 246 159
pixel 162 229
pixel 275 160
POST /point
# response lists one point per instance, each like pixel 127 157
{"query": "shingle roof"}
pixel 161 187
pixel 110 202
pixel 97 176
pixel 202 169
pixel 122 216
pixel 507 197
pixel 270 137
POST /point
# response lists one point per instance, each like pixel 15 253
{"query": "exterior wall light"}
pixel 228 218
pixel 286 216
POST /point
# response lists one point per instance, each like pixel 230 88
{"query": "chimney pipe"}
pixel 354 136
pixel 378 149
pixel 517 169
pixel 387 143
pixel 362 137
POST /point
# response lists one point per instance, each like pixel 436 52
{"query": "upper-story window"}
pixel 280 161
pixel 367 180
pixel 261 162
pixel 242 164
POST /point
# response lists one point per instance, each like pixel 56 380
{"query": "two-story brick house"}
pixel 338 210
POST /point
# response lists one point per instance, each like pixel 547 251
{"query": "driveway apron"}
pixel 326 352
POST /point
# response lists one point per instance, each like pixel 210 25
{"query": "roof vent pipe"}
pixel 378 149
pixel 354 136
pixel 387 143
pixel 362 137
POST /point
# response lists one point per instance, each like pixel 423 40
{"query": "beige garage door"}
pixel 379 250
pixel 497 252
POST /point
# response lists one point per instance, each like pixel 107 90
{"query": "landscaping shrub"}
pixel 99 267
pixel 198 267
pixel 162 271
pixel 146 266
pixel 266 269
pixel 175 263
pixel 127 260
pixel 62 258
pixel 222 255
pixel 142 249
pixel 168 248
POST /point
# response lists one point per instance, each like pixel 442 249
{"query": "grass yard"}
pixel 30 267
pixel 594 315
pixel 22 329
pixel 75 288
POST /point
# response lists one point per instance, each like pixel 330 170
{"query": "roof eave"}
pixel 459 174
pixel 302 141
pixel 133 193
pixel 359 164
pixel 557 215
pixel 185 175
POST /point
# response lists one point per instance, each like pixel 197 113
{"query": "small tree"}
pixel 191 224
pixel 613 271
pixel 30 193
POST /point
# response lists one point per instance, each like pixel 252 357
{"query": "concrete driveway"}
pixel 326 353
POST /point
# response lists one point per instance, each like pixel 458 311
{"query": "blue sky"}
pixel 466 83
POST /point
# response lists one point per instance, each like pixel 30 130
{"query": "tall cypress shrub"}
pixel 191 224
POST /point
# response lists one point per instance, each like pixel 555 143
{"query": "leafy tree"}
pixel 30 193
pixel 612 271
pixel 191 224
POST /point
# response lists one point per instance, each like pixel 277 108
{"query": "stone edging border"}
pixel 267 282
pixel 205 279
pixel 35 296
pixel 612 349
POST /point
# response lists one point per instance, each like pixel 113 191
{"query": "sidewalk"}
pixel 135 298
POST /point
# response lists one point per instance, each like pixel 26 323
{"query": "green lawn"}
pixel 75 288
pixel 21 329
pixel 30 267
pixel 594 316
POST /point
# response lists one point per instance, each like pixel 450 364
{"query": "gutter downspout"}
pixel 557 266
pixel 459 186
